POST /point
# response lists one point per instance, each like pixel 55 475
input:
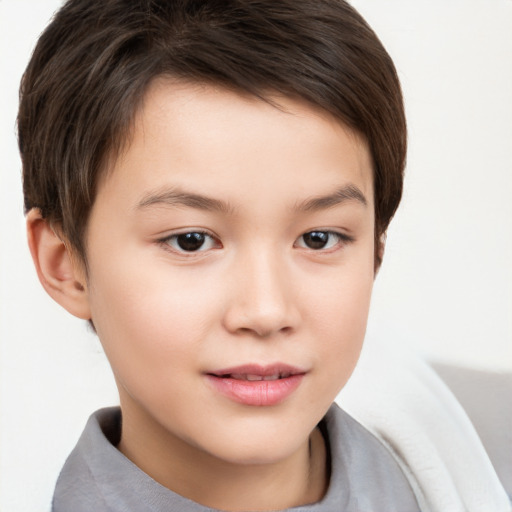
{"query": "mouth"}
pixel 257 385
pixel 252 377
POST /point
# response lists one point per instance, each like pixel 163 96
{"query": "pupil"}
pixel 316 239
pixel 190 241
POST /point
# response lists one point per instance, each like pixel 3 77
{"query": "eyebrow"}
pixel 177 197
pixel 341 195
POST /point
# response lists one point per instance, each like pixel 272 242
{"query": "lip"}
pixel 257 385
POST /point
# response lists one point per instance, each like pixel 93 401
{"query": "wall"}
pixel 446 284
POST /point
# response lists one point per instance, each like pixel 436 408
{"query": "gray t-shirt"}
pixel 99 478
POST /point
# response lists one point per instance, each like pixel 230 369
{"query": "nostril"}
pixel 265 332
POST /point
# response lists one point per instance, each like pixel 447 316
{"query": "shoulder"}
pixel 364 474
pixel 93 474
pixel 97 477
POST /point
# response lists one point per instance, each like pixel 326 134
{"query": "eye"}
pixel 192 241
pixel 318 240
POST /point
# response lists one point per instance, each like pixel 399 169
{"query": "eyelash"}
pixel 341 239
pixel 168 240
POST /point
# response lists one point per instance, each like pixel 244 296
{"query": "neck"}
pixel 299 479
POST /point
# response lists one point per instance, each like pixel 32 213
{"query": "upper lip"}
pixel 276 370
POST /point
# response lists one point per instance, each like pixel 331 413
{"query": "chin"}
pixel 255 455
pixel 258 446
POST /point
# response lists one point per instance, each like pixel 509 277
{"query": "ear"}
pixel 380 246
pixel 61 275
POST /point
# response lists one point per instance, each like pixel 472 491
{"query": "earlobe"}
pixel 60 274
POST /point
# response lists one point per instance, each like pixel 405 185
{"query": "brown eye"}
pixel 190 241
pixel 193 241
pixel 316 239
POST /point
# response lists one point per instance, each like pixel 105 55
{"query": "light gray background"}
pixel 446 284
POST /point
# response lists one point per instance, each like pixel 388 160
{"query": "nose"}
pixel 262 301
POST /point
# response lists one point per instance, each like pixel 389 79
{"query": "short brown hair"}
pixel 93 63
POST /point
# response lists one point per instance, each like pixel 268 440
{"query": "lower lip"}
pixel 256 392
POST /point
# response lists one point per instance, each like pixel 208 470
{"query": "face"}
pixel 230 253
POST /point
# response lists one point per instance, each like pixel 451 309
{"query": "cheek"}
pixel 341 319
pixel 149 318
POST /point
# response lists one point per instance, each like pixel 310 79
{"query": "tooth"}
pixel 271 377
pixel 253 377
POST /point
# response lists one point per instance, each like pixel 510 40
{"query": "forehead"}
pixel 202 135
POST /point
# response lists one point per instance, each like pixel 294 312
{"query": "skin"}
pixel 255 292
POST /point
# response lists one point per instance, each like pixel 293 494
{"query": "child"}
pixel 209 185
